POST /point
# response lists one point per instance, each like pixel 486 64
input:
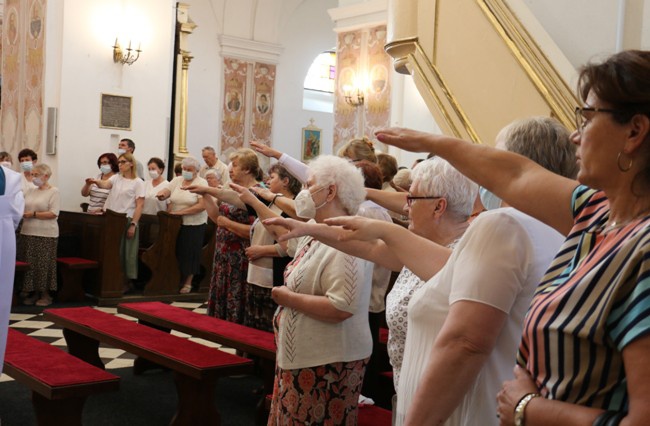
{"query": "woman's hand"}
pixel 130 232
pixel 296 228
pixel 198 189
pixel 264 193
pixel 357 227
pixel 407 139
pixel 281 295
pixel 511 393
pixel 265 150
pixel 222 221
pixel 90 181
pixel 255 252
pixel 245 195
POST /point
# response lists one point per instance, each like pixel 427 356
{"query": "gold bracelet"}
pixel 520 409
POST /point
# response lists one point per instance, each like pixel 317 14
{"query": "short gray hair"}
pixel 191 162
pixel 545 141
pixel 209 148
pixel 43 169
pixel 331 170
pixel 435 177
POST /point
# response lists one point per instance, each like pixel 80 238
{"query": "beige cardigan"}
pixel 346 280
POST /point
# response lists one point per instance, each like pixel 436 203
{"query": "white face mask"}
pixel 489 200
pixel 38 182
pixel 154 174
pixel 105 169
pixel 7 164
pixel 304 204
pixel 121 151
pixel 188 175
pixel 26 166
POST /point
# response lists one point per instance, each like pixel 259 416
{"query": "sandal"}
pixel 187 288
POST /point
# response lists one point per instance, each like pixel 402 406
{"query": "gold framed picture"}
pixel 115 112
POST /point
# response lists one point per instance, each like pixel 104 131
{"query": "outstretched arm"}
pixel 517 180
pixel 393 201
pixel 223 194
pixel 375 251
pixel 407 246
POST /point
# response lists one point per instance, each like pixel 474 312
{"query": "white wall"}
pixel 87 70
pixel 307 33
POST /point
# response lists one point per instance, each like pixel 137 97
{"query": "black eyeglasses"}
pixel 410 198
pixel 581 120
pixel 122 162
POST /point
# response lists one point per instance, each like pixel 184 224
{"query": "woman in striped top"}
pixel 583 356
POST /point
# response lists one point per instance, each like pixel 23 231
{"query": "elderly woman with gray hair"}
pixel 192 210
pixel 321 325
pixel 39 236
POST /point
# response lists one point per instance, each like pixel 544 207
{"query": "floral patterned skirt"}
pixel 322 395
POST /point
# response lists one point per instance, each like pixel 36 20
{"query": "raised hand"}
pixel 198 189
pixel 265 193
pixel 245 195
pixel 358 228
pixel 296 228
pixel 265 150
pixel 408 139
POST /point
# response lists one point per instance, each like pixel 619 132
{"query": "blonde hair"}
pixel 247 160
pixel 359 149
pixel 131 159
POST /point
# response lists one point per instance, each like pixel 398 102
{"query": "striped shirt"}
pixel 593 301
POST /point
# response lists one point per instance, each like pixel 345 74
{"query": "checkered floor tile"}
pixel 34 325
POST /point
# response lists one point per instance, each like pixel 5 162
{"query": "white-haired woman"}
pixel 439 206
pixel 39 237
pixel 191 208
pixel 321 325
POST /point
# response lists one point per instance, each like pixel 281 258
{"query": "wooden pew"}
pixel 207 256
pixel 245 339
pixel 95 237
pixel 59 382
pixel 158 236
pixel 196 367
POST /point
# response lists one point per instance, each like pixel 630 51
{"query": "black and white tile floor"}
pixel 36 326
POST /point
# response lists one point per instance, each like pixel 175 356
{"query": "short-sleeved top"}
pixel 152 205
pixel 320 270
pixel 181 199
pixel 593 301
pixel 498 262
pixel 97 197
pixel 220 168
pixel 123 194
pixel 41 200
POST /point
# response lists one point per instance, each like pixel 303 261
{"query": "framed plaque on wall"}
pixel 115 112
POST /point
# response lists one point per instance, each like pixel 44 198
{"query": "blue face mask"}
pixel 26 166
pixel 488 199
pixel 188 175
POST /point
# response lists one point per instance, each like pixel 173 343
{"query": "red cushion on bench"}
pixel 153 340
pixel 383 335
pixel 371 415
pixel 20 263
pixel 250 336
pixel 50 364
pixel 76 261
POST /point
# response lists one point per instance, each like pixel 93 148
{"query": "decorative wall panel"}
pixel 234 105
pixel 264 82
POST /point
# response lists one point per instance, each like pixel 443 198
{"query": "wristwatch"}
pixel 520 409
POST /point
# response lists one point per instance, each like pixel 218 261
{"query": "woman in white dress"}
pixel 152 204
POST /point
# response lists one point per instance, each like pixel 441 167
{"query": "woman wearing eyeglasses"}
pixel 583 355
pixel 126 196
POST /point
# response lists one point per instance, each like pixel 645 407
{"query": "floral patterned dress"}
pixel 229 269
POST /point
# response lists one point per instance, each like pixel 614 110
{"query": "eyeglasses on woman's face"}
pixel 410 198
pixel 581 120
pixel 120 162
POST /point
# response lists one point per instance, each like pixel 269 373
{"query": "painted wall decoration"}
pixel 234 107
pixel 248 105
pixel 22 75
pixel 311 141
pixel 378 87
pixel 348 53
pixel 264 82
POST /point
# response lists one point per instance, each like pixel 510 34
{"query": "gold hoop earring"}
pixel 618 163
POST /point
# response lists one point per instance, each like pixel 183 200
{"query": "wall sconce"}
pixel 129 58
pixel 353 98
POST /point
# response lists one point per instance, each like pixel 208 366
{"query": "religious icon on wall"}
pixel 263 103
pixel 311 139
pixel 233 100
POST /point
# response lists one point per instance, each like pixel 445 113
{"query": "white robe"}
pixel 12 206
